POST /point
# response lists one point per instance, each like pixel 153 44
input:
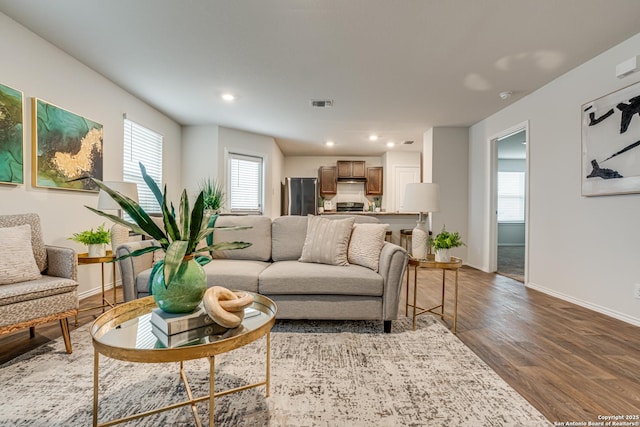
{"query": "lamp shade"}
pixel 129 189
pixel 422 197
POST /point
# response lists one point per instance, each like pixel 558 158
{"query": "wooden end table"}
pixel 453 265
pixel 124 333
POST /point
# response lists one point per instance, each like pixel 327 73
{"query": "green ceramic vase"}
pixel 185 291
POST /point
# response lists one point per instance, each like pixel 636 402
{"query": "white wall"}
pixel 237 141
pixel 200 156
pixel 41 70
pixel 584 250
pixel 447 149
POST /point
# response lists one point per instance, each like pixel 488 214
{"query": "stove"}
pixel 349 207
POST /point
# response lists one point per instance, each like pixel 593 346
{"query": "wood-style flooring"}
pixel 571 363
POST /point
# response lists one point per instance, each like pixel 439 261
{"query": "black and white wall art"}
pixel 611 143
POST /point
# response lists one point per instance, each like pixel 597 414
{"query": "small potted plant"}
pixel 378 202
pixel 95 241
pixel 320 204
pixel 213 192
pixel 444 241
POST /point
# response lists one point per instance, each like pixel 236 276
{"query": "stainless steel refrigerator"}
pixel 300 196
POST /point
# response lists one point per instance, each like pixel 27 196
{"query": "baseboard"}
pixel 597 308
pixel 98 290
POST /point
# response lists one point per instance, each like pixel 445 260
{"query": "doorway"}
pixel 511 203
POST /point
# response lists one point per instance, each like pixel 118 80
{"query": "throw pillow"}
pixel 366 243
pixel 17 263
pixel 327 240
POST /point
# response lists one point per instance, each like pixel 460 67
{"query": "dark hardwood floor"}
pixel 571 363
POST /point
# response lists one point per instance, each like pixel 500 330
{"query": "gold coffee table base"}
pixel 192 401
pixel 125 333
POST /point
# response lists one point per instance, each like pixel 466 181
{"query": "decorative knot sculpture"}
pixel 226 307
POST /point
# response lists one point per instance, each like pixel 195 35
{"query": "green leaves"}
pixel 181 234
pixel 447 240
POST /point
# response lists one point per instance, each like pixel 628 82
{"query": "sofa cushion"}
pixel 366 243
pixel 287 237
pixel 259 235
pixel 327 241
pixel 17 262
pixel 235 274
pixel 42 287
pixel 293 277
pixel 230 273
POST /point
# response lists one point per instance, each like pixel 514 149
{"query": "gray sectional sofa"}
pixel 270 267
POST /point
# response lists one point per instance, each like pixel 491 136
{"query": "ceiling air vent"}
pixel 322 103
pixel 407 143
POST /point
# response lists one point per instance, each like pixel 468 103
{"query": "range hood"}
pixel 351 180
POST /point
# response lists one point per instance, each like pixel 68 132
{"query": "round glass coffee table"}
pixel 125 333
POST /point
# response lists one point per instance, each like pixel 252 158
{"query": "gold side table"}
pixel 453 265
pixel 85 259
pixel 125 333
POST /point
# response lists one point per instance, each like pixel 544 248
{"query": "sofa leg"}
pixel 32 331
pixel 387 326
pixel 64 324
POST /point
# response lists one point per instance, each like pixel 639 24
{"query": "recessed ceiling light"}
pixel 228 97
pixel 329 143
pixel 373 137
pixel 390 144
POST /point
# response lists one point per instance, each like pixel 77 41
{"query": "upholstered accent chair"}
pixel 38 289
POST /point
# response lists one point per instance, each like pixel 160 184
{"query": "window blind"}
pixel 511 196
pixel 142 145
pixel 245 183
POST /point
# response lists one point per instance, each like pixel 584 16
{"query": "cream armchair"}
pixel 46 297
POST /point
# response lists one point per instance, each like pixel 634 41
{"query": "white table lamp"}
pixel 119 233
pixel 421 197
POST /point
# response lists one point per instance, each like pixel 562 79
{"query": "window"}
pixel 510 196
pixel 142 145
pixel 245 183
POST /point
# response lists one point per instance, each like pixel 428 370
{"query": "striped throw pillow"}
pixel 327 240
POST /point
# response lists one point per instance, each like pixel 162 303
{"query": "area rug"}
pixel 323 374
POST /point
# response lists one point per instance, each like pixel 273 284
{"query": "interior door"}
pixel 403 175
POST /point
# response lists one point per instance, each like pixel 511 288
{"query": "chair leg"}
pixel 64 324
pixel 32 331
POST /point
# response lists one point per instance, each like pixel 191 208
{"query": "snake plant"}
pixel 181 233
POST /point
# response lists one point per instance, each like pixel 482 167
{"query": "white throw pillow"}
pixel 366 243
pixel 17 263
pixel 327 240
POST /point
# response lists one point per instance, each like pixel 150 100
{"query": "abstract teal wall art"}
pixel 66 147
pixel 11 136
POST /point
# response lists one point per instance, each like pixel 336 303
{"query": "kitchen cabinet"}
pixel 328 180
pixel 351 169
pixel 374 181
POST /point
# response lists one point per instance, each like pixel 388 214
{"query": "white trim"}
pixel 493 195
pixel 597 308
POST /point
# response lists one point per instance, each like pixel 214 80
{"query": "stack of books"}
pixel 174 330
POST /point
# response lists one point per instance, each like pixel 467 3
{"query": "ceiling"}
pixel 393 68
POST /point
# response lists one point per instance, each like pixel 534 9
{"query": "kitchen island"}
pixel 396 220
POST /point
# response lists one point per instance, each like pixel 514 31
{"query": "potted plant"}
pixel 444 241
pixel 213 192
pixel 378 202
pixel 95 241
pixel 178 282
pixel 320 204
